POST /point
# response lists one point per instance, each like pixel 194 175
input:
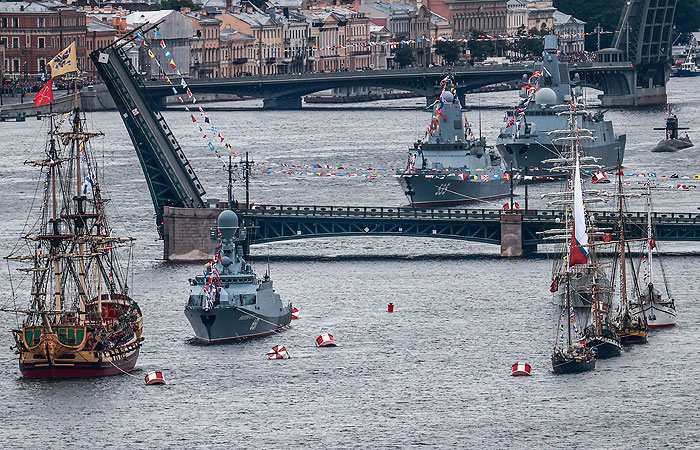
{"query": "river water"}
pixel 435 373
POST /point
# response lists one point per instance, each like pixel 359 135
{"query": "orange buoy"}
pixel 278 352
pixel 155 377
pixel 390 308
pixel 295 313
pixel 520 370
pixel 325 340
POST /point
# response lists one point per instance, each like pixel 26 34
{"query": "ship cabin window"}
pixel 248 299
pixel 458 124
pixel 547 81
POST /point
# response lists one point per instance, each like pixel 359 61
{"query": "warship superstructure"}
pixel 525 141
pixel 229 302
pixel 451 166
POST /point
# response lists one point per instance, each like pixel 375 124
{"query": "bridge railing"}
pixel 387 212
pixel 378 212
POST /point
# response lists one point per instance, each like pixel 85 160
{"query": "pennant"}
pixel 162 43
pixel 174 90
pixel 150 53
pixel 211 146
pixel 44 96
pixel 189 93
pixel 158 32
pixel 172 64
pixel 168 80
pixel 193 118
pixel 86 184
pixel 183 84
pixel 167 54
pixel 652 244
pixel 64 62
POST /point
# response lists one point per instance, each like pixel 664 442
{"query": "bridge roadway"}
pixel 187 229
pixel 285 91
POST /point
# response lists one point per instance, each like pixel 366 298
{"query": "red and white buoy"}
pixel 295 313
pixel 600 177
pixel 325 340
pixel 278 352
pixel 521 370
pixel 155 377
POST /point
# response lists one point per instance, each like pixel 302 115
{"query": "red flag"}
pixel 193 118
pixel 607 237
pixel 652 244
pixel 44 96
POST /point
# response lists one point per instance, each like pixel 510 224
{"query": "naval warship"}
pixel 228 302
pixel 525 143
pixel 450 166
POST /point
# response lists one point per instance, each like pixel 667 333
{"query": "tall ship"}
pixel 80 320
pixel 228 301
pixel 525 141
pixel 450 166
pixel 574 282
pixel 631 321
pixel 659 312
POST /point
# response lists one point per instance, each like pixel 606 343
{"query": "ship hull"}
pixel 219 325
pixel 660 315
pixel 563 366
pixel 633 337
pixel 605 347
pixel 440 190
pixel 528 154
pixel 103 365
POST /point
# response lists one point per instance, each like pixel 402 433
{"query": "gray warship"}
pixel 228 302
pixel 451 166
pixel 524 142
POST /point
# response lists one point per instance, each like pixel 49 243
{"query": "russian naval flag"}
pixel 578 253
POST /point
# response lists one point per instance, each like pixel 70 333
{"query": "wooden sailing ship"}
pixel 80 321
pixel 659 312
pixel 571 353
pixel 631 320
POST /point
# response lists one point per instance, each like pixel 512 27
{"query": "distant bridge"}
pixel 187 229
pixel 286 91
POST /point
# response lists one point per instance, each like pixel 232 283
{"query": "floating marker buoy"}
pixel 278 352
pixel 295 313
pixel 600 177
pixel 155 377
pixel 390 308
pixel 521 370
pixel 325 340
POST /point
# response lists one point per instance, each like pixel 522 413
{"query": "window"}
pixel 41 22
pixel 42 65
pixel 15 65
pixel 41 42
pixel 15 22
pixel 15 42
pixel 4 22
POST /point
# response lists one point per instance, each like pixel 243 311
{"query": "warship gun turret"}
pixel 525 143
pixel 229 302
pixel 451 166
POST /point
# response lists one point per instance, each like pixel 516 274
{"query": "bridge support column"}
pixel 282 103
pixel 512 236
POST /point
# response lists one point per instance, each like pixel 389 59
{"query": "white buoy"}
pixel 278 352
pixel 325 340
pixel 155 377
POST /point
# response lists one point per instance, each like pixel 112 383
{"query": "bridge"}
pixel 286 91
pixel 187 230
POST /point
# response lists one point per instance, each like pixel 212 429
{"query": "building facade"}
pixel 34 32
pixel 484 16
pixel 571 33
pixel 204 46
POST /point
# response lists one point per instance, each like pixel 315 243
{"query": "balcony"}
pixel 240 60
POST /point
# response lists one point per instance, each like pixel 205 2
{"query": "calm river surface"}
pixel 433 374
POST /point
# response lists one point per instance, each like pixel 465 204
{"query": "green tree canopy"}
pixel 449 50
pixel 403 55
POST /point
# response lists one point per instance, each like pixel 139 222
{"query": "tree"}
pixel 486 47
pixel 403 55
pixel 175 5
pixel 531 43
pixel 449 50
